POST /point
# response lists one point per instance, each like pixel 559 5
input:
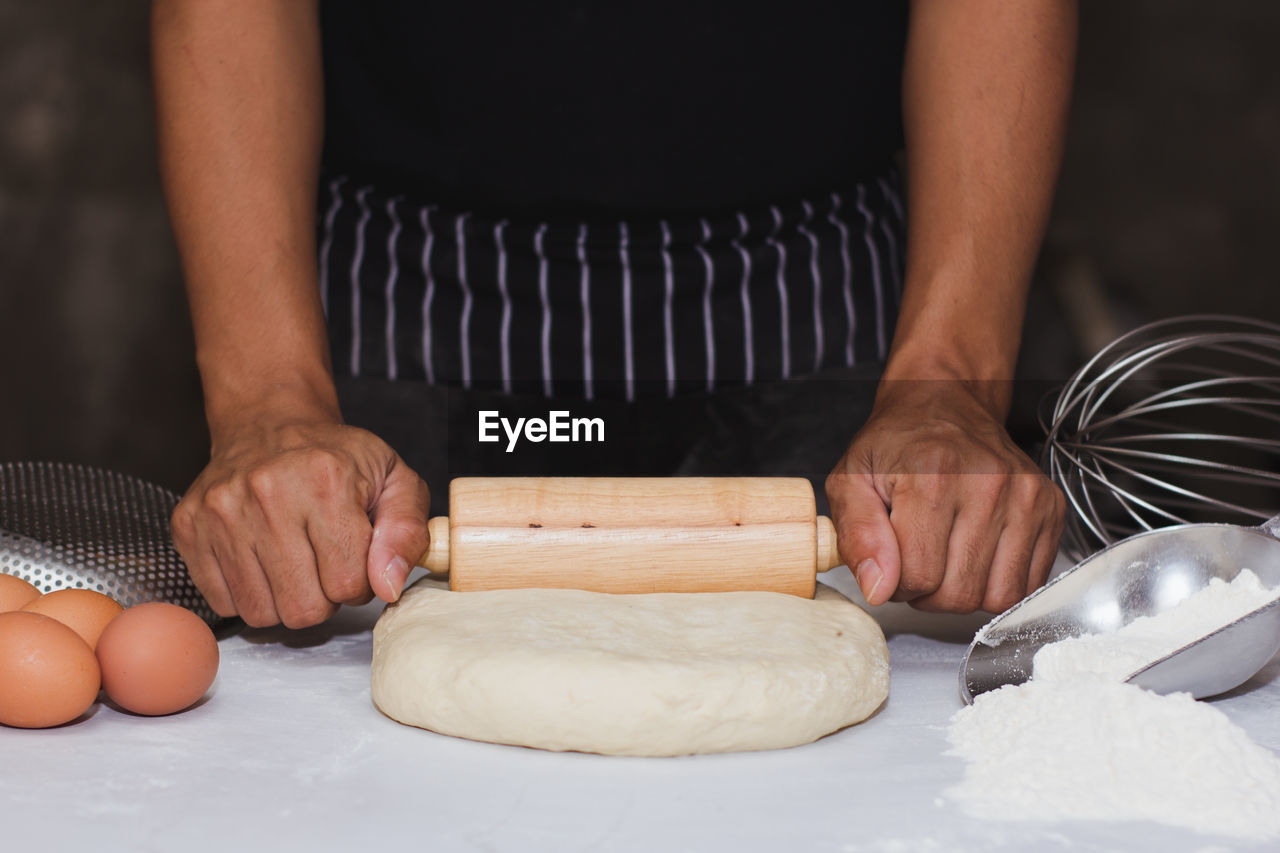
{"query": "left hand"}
pixel 935 505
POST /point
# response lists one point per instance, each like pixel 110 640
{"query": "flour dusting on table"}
pixel 1077 743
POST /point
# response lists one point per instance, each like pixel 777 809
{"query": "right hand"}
pixel 290 520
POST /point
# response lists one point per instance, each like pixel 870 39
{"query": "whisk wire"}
pixel 1182 490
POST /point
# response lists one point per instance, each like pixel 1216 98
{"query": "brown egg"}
pixel 15 593
pixel 82 610
pixel 157 658
pixel 48 675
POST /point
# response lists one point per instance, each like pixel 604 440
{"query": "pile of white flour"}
pixel 1076 743
pixel 1120 654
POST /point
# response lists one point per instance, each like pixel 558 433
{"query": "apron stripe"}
pixel 584 290
pixel 748 332
pixel 629 367
pixel 895 275
pixel 708 324
pixel 847 281
pixel 874 254
pixel 356 261
pixel 392 275
pixel 429 294
pixel 784 309
pixel 504 332
pixel 816 275
pixel 539 242
pixel 326 244
pixel 668 297
pixel 897 256
pixel 464 318
pixel 895 201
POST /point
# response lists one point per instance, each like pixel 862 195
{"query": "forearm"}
pixel 985 94
pixel 238 92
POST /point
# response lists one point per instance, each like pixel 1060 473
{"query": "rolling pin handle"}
pixel 436 560
pixel 828 556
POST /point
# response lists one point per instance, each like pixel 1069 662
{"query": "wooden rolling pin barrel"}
pixel 632 535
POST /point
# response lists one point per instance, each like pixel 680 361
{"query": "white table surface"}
pixel 288 753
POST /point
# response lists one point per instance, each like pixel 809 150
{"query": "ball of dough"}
pixel 654 674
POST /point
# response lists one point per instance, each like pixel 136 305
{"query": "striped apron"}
pixel 627 310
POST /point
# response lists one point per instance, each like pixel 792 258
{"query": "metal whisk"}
pixel 1175 422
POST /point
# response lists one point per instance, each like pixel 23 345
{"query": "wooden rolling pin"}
pixel 632 535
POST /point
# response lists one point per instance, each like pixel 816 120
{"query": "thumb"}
pixel 399 517
pixel 864 534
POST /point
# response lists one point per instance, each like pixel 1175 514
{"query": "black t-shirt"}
pixel 614 107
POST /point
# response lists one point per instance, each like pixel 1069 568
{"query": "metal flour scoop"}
pixel 1144 575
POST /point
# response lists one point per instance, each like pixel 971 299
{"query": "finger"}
pixel 1028 543
pixel 289 563
pixel 1031 506
pixel 276 515
pixel 230 528
pixel 864 535
pixel 207 576
pixel 1044 553
pixel 971 550
pixel 247 582
pixel 923 513
pixel 399 536
pixel 1047 544
pixel 1011 566
pixel 193 547
pixel 340 540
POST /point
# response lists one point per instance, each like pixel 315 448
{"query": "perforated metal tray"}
pixel 70 526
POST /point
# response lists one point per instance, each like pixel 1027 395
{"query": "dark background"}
pixel 1169 203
